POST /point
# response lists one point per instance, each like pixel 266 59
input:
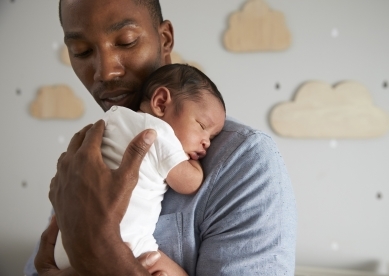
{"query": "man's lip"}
pixel 115 98
pixel 109 96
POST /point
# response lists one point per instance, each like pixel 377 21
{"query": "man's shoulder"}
pixel 238 144
pixel 237 134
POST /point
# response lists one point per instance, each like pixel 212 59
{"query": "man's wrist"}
pixel 108 255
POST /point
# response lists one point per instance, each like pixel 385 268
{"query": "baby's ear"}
pixel 160 100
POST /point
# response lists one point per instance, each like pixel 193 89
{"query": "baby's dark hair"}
pixel 184 82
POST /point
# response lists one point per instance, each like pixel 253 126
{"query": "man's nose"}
pixel 108 66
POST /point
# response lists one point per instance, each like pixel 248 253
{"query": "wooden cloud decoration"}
pixel 257 28
pixel 65 55
pixel 176 58
pixel 321 111
pixel 56 102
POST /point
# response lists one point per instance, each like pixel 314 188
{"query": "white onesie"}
pixel 138 224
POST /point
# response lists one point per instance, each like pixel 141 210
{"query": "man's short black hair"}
pixel 184 82
pixel 153 6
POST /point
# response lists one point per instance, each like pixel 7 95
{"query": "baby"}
pixel 187 111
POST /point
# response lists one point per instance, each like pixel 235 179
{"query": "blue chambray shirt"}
pixel 242 221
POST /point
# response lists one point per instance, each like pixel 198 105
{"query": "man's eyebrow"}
pixel 73 35
pixel 119 25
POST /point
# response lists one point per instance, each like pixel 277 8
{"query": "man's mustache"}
pixel 115 85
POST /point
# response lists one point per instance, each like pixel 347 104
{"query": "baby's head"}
pixel 189 101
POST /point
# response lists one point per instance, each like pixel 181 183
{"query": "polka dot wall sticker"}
pixel 55 45
pixel 335 32
pixel 61 139
pixel 333 143
pixel 335 246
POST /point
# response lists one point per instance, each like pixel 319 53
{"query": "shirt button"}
pixel 115 107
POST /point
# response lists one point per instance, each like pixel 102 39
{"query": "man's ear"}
pixel 166 33
pixel 160 100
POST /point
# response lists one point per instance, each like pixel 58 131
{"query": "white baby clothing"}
pixel 138 224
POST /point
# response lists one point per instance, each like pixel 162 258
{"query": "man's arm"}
pixel 90 200
pixel 186 177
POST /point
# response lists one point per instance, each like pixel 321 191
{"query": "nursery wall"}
pixel 341 185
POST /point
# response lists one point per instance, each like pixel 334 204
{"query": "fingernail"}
pixel 150 136
pixel 152 258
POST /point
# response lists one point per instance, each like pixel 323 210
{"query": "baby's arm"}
pixel 186 177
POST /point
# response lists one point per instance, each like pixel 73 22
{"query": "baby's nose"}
pixel 206 143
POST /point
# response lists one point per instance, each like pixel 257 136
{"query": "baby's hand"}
pixel 148 260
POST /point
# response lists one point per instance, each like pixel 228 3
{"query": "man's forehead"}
pixel 64 4
pixel 113 14
pixel 95 1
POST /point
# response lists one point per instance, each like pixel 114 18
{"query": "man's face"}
pixel 113 47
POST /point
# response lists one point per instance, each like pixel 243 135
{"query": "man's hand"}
pixel 90 200
pixel 44 260
pixel 45 263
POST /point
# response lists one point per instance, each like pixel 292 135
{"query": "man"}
pixel 242 221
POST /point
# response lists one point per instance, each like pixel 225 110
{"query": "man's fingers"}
pixel 135 153
pixel 49 236
pixel 53 186
pixel 60 159
pixel 77 139
pixel 44 259
pixel 94 136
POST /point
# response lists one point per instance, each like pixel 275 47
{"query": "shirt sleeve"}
pixel 249 225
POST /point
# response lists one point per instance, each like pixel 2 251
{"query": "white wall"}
pixel 335 187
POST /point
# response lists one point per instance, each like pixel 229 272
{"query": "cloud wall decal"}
pixel 56 102
pixel 257 28
pixel 65 56
pixel 322 111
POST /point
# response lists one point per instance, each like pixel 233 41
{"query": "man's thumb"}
pixel 136 151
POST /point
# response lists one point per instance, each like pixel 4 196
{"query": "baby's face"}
pixel 197 124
